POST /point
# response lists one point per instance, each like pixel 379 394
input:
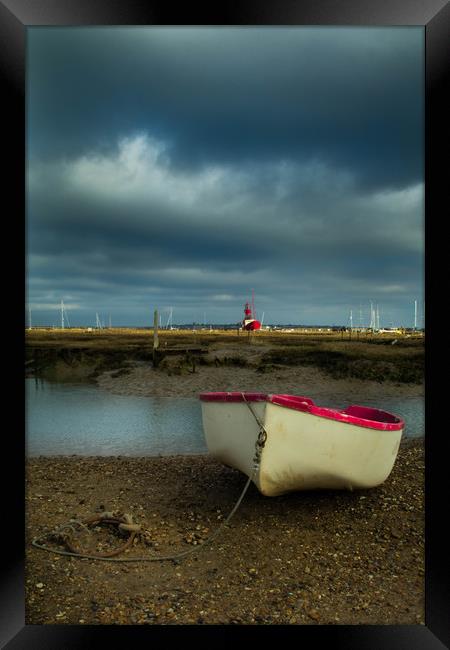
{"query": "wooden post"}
pixel 155 338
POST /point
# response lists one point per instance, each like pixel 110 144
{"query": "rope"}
pixel 262 436
pixel 125 523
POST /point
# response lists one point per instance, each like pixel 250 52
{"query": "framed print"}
pixel 246 198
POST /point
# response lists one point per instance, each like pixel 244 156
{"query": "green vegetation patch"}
pixel 353 361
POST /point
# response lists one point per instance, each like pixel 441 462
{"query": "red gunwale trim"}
pixel 292 401
pixel 362 416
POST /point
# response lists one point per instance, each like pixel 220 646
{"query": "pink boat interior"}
pixel 363 416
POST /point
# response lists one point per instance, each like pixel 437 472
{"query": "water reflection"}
pixel 82 419
pixel 64 419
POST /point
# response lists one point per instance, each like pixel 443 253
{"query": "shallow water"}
pixel 64 419
pixel 82 419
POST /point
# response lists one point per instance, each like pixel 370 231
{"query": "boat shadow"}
pixel 221 486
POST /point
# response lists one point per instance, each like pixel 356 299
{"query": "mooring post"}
pixel 155 338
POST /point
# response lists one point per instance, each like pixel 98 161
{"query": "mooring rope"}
pixel 125 522
pixel 108 557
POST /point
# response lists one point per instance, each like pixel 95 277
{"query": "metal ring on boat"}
pixel 262 437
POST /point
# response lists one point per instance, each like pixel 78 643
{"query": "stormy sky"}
pixel 183 167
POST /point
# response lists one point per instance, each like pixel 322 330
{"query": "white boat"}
pixel 307 446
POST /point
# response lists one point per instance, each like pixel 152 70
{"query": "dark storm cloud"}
pixel 348 96
pixel 183 166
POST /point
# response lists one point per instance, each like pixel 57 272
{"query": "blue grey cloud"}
pixel 185 166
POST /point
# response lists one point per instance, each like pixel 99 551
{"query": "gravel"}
pixel 307 558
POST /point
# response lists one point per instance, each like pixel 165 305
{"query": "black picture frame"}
pixel 15 17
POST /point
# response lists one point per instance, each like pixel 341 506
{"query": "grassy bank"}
pixel 403 364
pixel 80 354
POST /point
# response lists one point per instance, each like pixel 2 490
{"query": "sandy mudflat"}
pixel 305 558
pixel 142 379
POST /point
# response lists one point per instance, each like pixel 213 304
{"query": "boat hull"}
pixel 303 450
pixel 251 325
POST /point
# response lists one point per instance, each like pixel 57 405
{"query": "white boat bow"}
pixel 307 446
